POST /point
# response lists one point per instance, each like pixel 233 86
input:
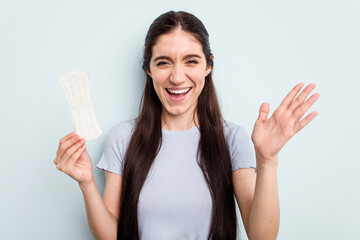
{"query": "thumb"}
pixel 264 111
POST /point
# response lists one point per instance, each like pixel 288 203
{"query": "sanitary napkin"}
pixel 77 88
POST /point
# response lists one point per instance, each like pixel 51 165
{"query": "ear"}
pixel 208 70
pixel 149 73
pixel 209 67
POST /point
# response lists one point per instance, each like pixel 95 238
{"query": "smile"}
pixel 177 95
pixel 181 91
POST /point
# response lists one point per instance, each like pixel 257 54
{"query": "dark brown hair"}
pixel 213 152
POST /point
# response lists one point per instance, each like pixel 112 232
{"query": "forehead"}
pixel 177 43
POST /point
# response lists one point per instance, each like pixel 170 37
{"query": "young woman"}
pixel 172 173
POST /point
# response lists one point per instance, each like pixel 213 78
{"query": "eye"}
pixel 161 63
pixel 192 62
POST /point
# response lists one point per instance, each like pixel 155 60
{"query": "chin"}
pixel 174 111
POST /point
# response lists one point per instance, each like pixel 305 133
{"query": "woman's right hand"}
pixel 73 159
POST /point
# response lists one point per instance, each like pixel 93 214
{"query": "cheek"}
pixel 157 86
pixel 198 76
pixel 159 77
pixel 158 83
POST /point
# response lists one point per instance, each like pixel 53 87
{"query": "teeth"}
pixel 179 91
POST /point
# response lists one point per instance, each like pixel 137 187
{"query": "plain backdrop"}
pixel 261 48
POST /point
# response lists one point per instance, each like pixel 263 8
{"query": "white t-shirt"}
pixel 175 201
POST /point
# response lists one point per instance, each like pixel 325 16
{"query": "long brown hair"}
pixel 213 152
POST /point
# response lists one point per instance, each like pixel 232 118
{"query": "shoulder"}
pixel 240 146
pixel 233 131
pixel 122 130
pixel 115 146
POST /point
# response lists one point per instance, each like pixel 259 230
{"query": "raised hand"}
pixel 270 134
pixel 73 159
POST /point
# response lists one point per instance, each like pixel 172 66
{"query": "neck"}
pixel 179 122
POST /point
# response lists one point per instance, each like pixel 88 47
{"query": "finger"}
pixel 302 96
pixel 65 145
pixel 300 125
pixel 72 160
pixel 60 151
pixel 67 137
pixel 300 111
pixel 291 95
pixel 61 165
pixel 71 151
pixel 264 111
pixel 56 160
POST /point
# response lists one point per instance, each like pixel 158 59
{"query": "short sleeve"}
pixel 240 146
pixel 115 146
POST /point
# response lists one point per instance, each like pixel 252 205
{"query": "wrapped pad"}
pixel 77 88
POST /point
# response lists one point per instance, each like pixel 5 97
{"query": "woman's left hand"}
pixel 270 134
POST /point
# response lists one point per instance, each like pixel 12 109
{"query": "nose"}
pixel 178 75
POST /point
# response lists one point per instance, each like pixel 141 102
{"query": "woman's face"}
pixel 178 69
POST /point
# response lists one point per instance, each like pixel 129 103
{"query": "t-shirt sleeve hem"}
pixel 242 167
pixel 106 168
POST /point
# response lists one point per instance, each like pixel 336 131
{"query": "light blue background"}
pixel 262 49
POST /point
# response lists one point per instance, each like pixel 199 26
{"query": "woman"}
pixel 172 173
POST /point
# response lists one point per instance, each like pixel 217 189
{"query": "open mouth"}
pixel 178 93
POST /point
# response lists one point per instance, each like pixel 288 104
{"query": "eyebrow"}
pixel 168 58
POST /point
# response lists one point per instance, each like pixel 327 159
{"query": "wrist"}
pixel 87 184
pixel 267 162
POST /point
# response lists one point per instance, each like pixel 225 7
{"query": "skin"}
pixel 256 195
pixel 178 61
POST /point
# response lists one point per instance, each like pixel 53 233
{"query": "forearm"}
pixel 264 216
pixel 103 225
